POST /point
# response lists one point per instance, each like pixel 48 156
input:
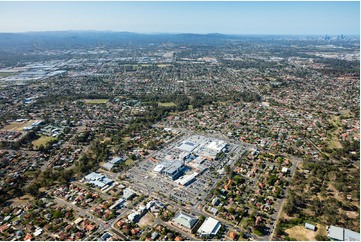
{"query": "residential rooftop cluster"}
pixel 214 138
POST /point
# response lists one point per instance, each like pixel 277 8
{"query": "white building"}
pixel 187 179
pixel 209 228
pixel 98 180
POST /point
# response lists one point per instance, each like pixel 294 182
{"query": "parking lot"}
pixel 143 178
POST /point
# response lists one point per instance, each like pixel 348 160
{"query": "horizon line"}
pixel 175 33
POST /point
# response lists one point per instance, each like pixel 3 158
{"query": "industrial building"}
pixel 342 234
pixel 209 228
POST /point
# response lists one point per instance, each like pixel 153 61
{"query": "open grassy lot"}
pixel 170 104
pixel 18 126
pixel 163 65
pixel 300 233
pixel 129 161
pixel 332 140
pixel 43 140
pixel 96 101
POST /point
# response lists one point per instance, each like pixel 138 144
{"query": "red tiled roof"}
pixel 28 237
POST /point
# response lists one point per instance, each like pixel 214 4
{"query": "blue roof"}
pixel 351 235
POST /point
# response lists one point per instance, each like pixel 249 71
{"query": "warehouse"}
pixel 341 234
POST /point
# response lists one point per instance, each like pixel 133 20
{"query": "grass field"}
pixel 18 126
pixel 43 140
pixel 129 161
pixel 301 233
pixel 96 101
pixel 170 104
pixel 163 65
pixel 333 142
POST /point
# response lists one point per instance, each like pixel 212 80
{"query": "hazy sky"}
pixel 184 17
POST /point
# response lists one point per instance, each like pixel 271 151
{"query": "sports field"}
pixel 43 140
pixel 169 104
pixel 18 126
pixel 96 101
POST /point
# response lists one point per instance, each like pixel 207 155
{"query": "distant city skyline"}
pixel 299 18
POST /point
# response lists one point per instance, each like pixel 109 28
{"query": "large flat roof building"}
pixel 170 168
pixel 98 180
pixel 187 146
pixel 185 220
pixel 341 234
pixel 187 179
pixel 350 235
pixel 174 170
pixel 209 228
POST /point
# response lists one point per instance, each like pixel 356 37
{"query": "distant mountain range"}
pixel 85 39
pixel 79 39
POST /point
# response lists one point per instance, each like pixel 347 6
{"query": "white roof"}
pixel 38 231
pixel 336 232
pixel 115 160
pixel 158 168
pixel 108 165
pixel 127 193
pixel 351 235
pixel 217 145
pixel 210 227
pixel 187 178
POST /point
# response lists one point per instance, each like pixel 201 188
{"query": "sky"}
pixel 184 17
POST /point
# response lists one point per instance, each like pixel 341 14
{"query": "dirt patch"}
pixel 301 233
pixel 351 214
pixel 22 201
pixel 18 126
pixel 146 220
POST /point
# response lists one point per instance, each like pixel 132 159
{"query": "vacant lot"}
pixel 170 104
pixel 129 162
pixel 18 126
pixel 146 220
pixel 301 233
pixel 96 101
pixel 43 140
